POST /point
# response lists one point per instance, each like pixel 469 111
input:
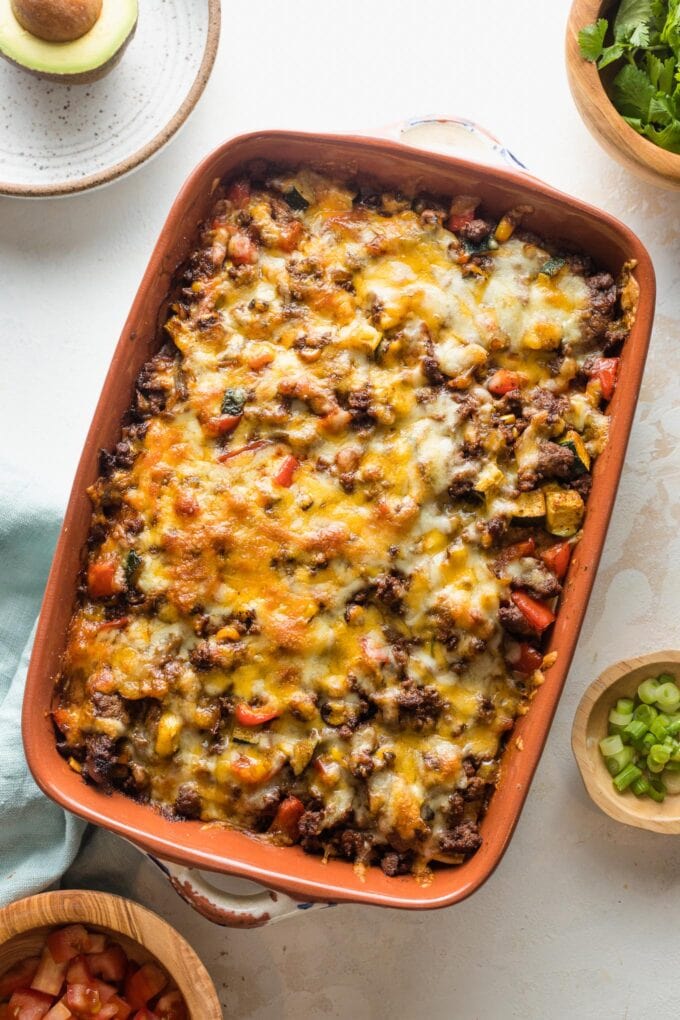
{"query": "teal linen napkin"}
pixel 38 841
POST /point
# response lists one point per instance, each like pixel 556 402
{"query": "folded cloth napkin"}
pixel 38 840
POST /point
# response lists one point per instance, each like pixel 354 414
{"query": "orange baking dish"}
pixel 289 869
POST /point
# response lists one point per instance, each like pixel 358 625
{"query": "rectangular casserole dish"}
pixel 229 851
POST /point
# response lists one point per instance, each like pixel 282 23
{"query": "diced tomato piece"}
pixel 83 999
pixel 502 381
pixel 18 976
pixel 114 1009
pixel 519 549
pixel 27 1004
pixel 247 715
pixel 171 1006
pixel 67 943
pixel 238 193
pixel 106 991
pixel 50 975
pixel 556 558
pixel 524 658
pixel 606 370
pixel 462 211
pixel 284 475
pixel 290 235
pixel 145 1014
pixel 96 940
pixel 538 614
pixel 222 424
pixel 102 581
pixel 4 1011
pixel 79 972
pixel 144 985
pixel 60 1011
pixel 288 814
pixel 109 965
pixel 242 250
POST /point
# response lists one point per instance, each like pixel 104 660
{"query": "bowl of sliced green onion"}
pixel 626 741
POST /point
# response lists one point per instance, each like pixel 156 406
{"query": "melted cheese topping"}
pixel 289 537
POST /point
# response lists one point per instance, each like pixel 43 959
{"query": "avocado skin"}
pixel 84 77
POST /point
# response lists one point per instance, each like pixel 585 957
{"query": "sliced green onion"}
pixel 674 726
pixel 659 754
pixel 668 697
pixel 672 766
pixel 647 742
pixel 645 714
pixel 657 791
pixel 640 787
pixel 647 691
pixel 666 678
pixel 625 706
pixel 636 729
pixel 611 746
pixel 658 729
pixel 626 777
pixel 617 762
pixel 620 718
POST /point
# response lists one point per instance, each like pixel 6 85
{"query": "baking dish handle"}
pixel 232 909
pixel 458 136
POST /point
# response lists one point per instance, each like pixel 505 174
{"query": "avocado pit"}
pixel 71 41
pixel 57 20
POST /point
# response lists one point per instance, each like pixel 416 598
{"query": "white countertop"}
pixel 580 919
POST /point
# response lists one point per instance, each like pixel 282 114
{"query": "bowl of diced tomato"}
pixel 81 955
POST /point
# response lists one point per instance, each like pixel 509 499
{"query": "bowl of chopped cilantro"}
pixel 626 741
pixel 623 64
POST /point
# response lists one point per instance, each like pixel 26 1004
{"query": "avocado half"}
pixel 85 59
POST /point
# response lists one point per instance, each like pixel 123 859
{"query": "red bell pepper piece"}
pixel 502 381
pixel 109 965
pixel 255 445
pixel 171 1006
pixel 285 474
pixel 606 370
pixel 556 558
pixel 247 715
pixel 144 984
pixel 287 817
pixel 538 614
pixel 290 235
pixel 519 549
pixel 222 424
pixel 27 1004
pixel 66 943
pixel 102 583
pixel 18 976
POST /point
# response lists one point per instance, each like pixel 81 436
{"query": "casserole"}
pixel 284 868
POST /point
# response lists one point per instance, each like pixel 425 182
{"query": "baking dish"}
pixel 188 845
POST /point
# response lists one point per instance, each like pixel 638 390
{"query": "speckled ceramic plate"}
pixel 58 139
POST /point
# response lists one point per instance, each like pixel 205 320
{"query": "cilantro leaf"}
pixel 671 30
pixel 661 72
pixel 610 54
pixel 668 138
pixel 234 400
pixel 591 39
pixel 633 92
pixel 633 20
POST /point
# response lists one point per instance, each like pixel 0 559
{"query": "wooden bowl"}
pixel 144 936
pixel 605 123
pixel 590 726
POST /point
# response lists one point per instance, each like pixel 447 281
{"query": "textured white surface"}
pixel 580 920
pixel 56 134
